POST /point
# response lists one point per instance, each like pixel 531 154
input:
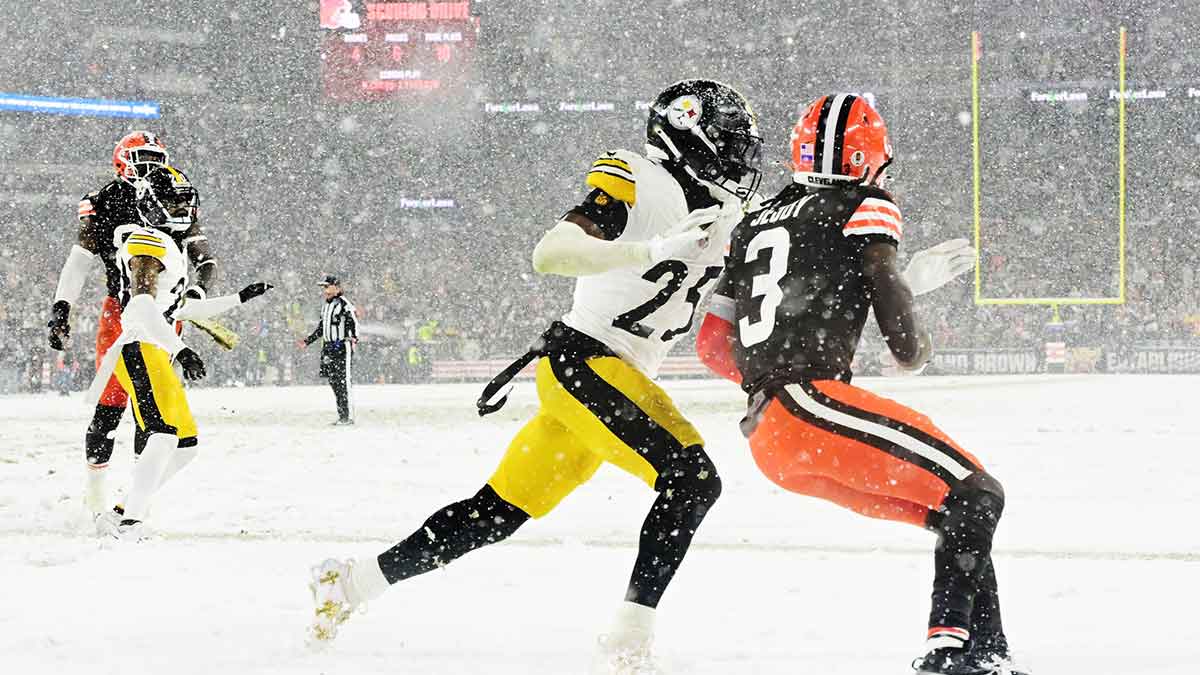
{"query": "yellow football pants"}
pixel 592 411
pixel 159 403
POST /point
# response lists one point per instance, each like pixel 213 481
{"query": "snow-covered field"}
pixel 1098 554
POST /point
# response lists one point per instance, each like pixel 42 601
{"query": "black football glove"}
pixel 253 291
pixel 60 328
pixel 193 367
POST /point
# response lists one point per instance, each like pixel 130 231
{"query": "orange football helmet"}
pixel 840 140
pixel 139 153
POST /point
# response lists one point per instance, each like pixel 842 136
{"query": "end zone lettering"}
pixel 1005 363
pixel 959 363
pixel 1154 361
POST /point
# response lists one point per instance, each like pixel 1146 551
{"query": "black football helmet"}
pixel 709 128
pixel 166 199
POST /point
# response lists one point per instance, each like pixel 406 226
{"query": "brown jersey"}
pixel 795 277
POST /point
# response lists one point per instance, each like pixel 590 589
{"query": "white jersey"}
pixel 640 312
pixel 132 241
pixel 135 240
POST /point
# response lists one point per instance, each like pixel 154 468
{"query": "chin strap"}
pixel 742 192
pixel 879 173
pixel 655 152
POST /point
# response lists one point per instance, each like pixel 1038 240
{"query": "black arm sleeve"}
pixel 351 322
pixel 200 254
pixel 607 212
pixel 892 302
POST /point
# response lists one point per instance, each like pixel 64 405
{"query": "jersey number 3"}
pixel 776 243
pixel 677 272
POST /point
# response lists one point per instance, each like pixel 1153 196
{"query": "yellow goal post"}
pixel 980 298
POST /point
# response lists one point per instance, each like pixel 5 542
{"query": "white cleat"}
pixel 331 606
pixel 131 532
pixel 618 659
pixel 628 648
pixel 108 523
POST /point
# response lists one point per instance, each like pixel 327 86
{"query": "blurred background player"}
pixel 645 244
pixel 154 279
pixel 100 213
pixel 338 333
pixel 785 322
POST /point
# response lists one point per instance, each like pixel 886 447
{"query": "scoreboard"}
pixel 375 51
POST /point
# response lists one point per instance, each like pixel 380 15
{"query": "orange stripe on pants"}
pixel 813 461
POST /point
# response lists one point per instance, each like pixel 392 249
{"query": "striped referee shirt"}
pixel 338 322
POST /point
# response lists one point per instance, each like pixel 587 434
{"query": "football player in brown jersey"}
pixel 801 277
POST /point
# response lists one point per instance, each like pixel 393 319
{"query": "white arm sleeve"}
pixel 142 320
pixel 74 273
pixel 208 307
pixel 568 251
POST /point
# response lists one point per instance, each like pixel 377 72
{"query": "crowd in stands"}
pixel 429 212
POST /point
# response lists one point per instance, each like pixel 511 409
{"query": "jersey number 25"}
pixel 677 272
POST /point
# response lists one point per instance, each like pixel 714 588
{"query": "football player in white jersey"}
pixel 154 279
pixel 646 244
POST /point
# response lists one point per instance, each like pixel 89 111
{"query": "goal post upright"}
pixel 975 164
pixel 1121 162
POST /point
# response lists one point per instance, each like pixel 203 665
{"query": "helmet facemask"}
pixel 138 154
pixel 167 202
pixel 739 156
pixel 145 159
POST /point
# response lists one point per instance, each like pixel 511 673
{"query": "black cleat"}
pixel 974 661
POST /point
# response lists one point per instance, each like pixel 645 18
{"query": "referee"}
pixel 338 332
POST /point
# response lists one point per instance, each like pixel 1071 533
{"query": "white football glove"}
pixel 934 267
pixel 686 240
pixel 732 212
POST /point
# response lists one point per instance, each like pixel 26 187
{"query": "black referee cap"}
pixel 330 280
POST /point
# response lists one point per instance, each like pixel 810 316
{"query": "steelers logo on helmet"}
pixel 685 112
pixel 708 129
